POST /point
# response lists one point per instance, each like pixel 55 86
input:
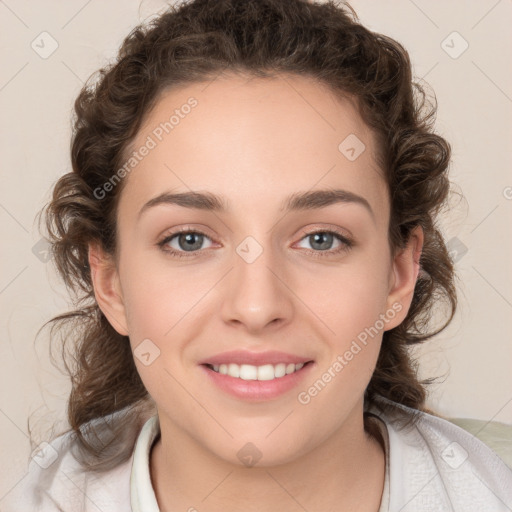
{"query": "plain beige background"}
pixel 473 86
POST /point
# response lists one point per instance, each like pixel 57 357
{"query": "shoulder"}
pixel 435 465
pixel 56 481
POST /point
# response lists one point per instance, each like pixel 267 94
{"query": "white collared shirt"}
pixel 434 466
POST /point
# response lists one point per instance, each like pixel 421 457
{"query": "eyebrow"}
pixel 299 201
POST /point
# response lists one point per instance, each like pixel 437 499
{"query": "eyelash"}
pixel 347 244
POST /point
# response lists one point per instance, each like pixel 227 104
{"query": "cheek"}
pixel 351 301
pixel 352 297
pixel 162 299
pixel 353 306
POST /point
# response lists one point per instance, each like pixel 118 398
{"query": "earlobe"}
pixel 406 267
pixel 107 290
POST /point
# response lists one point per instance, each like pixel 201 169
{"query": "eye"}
pixel 182 242
pixel 187 242
pixel 322 241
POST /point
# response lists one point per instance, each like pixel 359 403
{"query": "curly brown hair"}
pixel 196 41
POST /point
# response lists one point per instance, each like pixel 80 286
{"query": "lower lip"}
pixel 257 390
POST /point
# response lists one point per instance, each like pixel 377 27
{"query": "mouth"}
pixel 256 383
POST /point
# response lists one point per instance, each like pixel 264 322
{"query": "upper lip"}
pixel 254 358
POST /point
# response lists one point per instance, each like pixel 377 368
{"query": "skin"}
pixel 255 141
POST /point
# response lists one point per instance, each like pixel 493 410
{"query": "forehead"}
pixel 255 140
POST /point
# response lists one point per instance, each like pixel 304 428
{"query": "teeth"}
pixel 250 372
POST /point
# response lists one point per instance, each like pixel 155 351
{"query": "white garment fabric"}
pixel 434 466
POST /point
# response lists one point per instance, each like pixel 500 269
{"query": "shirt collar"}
pixel 142 495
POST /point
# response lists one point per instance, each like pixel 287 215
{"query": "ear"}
pixel 406 267
pixel 107 289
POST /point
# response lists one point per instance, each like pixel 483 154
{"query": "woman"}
pixel 250 227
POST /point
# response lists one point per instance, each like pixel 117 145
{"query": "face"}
pixel 265 271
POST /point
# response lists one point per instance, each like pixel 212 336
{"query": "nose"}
pixel 255 293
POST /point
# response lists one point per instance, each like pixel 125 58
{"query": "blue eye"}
pixel 325 239
pixel 187 241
